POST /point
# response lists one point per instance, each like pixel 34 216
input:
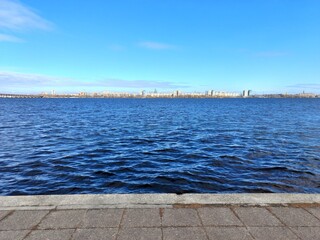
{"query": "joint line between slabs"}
pixel 8 214
pixel 36 226
pixel 311 213
pixel 205 231
pixel 284 224
pixel 120 224
pixel 161 210
pixel 237 216
pixel 79 224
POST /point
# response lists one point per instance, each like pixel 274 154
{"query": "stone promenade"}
pixel 25 218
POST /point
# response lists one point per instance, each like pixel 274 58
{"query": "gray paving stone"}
pixel 50 234
pixel 102 218
pixel 180 217
pixel 307 233
pixel 184 233
pixel 3 214
pixel 20 220
pixel 96 234
pixel 295 217
pixel 140 234
pixel 272 233
pixel 142 218
pixel 218 216
pixel 228 233
pixel 315 211
pixel 13 235
pixel 62 219
pixel 255 216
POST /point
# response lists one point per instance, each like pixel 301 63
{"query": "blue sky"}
pixel 130 45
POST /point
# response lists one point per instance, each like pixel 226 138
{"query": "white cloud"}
pixel 16 16
pixel 156 45
pixel 9 38
pixel 120 83
pixel 15 80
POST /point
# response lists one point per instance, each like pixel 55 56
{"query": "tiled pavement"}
pixel 194 223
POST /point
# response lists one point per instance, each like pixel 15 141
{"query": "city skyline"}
pixel 128 46
pixel 158 94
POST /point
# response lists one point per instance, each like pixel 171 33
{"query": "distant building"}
pixel 306 95
pixel 246 93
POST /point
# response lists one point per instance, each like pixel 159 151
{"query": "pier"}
pixel 161 217
pixel 6 95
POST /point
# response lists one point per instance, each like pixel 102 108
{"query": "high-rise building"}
pixel 246 93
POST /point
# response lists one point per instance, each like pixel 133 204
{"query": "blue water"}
pixel 69 146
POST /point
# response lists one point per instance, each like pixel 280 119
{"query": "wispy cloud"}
pixel 14 80
pixel 9 38
pixel 16 16
pixel 120 83
pixel 156 45
pixel 270 54
pixel 308 86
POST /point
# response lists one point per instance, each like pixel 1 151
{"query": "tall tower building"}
pixel 246 93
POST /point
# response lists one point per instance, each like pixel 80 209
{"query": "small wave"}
pixel 103 173
pixel 129 145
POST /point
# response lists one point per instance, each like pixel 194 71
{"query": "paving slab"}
pixel 228 233
pixel 140 234
pixel 95 234
pixel 295 217
pixel 184 233
pixel 147 217
pixel 102 218
pixel 3 214
pixel 62 219
pixel 315 212
pixel 21 220
pixel 50 234
pixel 153 216
pixel 13 235
pixel 307 233
pixel 272 233
pixel 218 216
pixel 256 216
pixel 180 217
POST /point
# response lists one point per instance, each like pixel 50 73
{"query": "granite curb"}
pixel 48 202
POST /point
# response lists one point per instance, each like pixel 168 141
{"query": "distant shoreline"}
pixel 134 96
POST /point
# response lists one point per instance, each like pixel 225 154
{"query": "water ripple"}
pixel 69 146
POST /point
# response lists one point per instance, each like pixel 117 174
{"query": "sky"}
pixel 132 45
